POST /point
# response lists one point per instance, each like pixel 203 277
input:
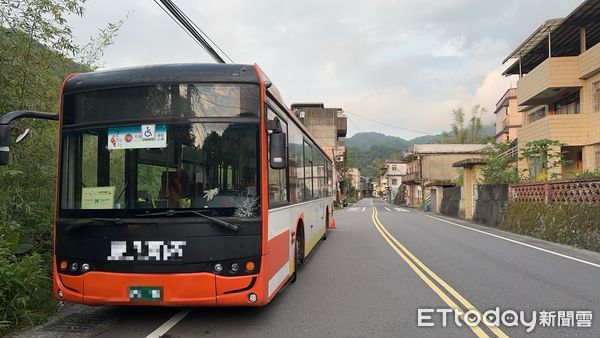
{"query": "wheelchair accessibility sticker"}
pixel 135 137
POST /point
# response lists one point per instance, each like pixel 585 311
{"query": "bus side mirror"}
pixel 4 143
pixel 278 150
pixel 22 136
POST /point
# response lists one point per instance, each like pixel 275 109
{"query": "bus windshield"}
pixel 161 101
pixel 119 169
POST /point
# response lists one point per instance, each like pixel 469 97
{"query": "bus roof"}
pixel 162 74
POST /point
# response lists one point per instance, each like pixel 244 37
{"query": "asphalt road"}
pixel 370 278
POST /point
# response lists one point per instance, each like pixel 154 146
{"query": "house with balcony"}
pixel 392 173
pixel 508 117
pixel 383 184
pixel 558 91
pixel 429 168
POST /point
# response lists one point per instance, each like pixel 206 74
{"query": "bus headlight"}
pixel 218 267
pixel 74 266
pixel 85 267
pixel 252 298
pixel 235 267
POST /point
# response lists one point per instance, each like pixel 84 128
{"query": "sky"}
pixel 397 67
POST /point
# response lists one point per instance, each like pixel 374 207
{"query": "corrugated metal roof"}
pixel 539 35
pixel 564 38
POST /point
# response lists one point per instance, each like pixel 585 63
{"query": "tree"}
pixel 471 133
pixel 36 53
pixel 499 168
pixel 542 158
pixel 458 133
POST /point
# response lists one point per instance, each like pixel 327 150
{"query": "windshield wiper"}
pixel 226 225
pixel 80 224
pixel 77 224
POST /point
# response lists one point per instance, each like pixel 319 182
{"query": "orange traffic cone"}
pixel 332 225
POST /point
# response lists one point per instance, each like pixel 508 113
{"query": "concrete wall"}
pixel 451 202
pixel 439 167
pixel 491 204
pixel 556 72
pixel 437 194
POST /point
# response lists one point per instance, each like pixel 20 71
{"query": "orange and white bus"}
pixel 185 184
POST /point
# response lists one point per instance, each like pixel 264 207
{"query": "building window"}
pixel 568 105
pixel 393 168
pixel 596 95
pixel 394 181
pixel 536 115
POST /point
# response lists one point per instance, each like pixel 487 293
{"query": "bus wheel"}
pixel 298 250
pixel 326 224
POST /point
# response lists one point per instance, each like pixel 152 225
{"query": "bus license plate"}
pixel 145 293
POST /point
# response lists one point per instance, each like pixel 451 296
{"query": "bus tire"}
pixel 298 251
pixel 326 223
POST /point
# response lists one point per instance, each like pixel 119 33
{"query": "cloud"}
pixel 406 63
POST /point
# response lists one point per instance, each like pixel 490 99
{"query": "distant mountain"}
pixel 368 151
pixel 364 141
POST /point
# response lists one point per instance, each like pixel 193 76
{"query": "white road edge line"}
pixel 517 242
pixel 169 324
pixel 386 208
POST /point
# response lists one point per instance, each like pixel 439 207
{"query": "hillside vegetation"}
pixel 36 54
pixel 368 151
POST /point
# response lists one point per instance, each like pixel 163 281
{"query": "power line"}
pixel 180 25
pixel 355 126
pixel 388 125
pixel 185 23
pixel 208 37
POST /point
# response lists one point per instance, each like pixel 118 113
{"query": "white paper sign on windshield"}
pixel 97 198
pixel 136 137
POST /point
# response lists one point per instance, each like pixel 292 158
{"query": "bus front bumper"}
pixel 186 289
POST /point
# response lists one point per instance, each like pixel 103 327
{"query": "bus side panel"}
pixel 282 222
pixel 315 222
pixel 279 255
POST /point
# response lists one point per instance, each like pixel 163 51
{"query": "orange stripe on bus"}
pixel 279 253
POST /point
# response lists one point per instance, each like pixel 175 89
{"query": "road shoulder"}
pixel 567 250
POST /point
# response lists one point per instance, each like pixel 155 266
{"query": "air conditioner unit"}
pixel 339 158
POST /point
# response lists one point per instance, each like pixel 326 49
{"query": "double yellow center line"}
pixel 442 289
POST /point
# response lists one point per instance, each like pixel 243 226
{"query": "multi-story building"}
pixel 559 88
pixel 393 171
pixel 329 127
pixel 383 185
pixel 508 117
pixel 354 175
pixel 430 165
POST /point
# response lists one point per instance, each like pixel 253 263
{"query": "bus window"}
pixel 296 163
pixel 308 172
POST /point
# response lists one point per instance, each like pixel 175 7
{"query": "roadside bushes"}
pixel 572 224
pixel 25 289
